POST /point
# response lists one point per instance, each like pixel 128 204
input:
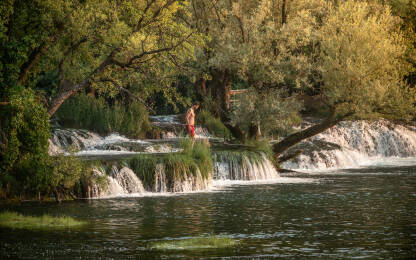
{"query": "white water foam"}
pixel 214 187
pixel 362 143
pixel 281 180
pixel 102 152
pixel 116 138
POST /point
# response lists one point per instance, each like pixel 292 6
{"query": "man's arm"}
pixel 187 116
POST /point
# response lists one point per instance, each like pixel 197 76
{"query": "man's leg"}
pixel 193 134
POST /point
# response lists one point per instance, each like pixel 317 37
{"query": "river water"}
pixel 366 213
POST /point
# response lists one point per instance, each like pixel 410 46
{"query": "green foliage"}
pixel 15 220
pixel 87 112
pixel 362 59
pixel 66 174
pixel 89 179
pixel 248 40
pixel 268 110
pixel 24 144
pixel 198 243
pixel 213 124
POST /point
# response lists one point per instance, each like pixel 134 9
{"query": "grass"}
pixel 178 166
pixel 211 242
pixel 15 220
pixel 95 114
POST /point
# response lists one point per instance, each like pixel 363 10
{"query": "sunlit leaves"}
pixel 361 57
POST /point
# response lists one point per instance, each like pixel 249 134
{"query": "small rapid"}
pixel 355 144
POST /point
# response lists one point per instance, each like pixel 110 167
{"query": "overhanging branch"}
pixel 146 53
pixel 117 85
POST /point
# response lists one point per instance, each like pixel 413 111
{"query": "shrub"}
pixel 213 124
pixel 66 173
pixel 24 144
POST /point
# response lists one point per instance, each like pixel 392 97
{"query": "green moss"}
pixel 212 242
pixel 14 220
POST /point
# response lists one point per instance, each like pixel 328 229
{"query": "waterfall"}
pixel 77 138
pixel 91 144
pixel 352 144
pixel 243 168
pixel 129 181
pixel 54 149
pixel 124 181
pixel 160 179
pixel 119 182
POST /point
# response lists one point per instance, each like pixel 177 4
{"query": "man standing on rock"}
pixel 190 120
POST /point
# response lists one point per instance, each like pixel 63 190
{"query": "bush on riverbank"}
pixel 24 133
pixel 191 161
pixel 15 220
pixel 95 114
pixel 213 124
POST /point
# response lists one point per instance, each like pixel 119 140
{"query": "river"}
pixel 367 212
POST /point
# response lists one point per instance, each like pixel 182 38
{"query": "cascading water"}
pixel 123 181
pixel 77 138
pixel 160 179
pixel 243 168
pixel 353 144
pixel 119 182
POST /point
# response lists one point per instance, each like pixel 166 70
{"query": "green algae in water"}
pixel 15 220
pixel 212 242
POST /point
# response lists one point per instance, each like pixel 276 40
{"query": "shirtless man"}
pixel 190 120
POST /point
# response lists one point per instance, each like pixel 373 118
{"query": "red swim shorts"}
pixel 191 130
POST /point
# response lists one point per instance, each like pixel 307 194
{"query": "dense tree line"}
pixel 339 59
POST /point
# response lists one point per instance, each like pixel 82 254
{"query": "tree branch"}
pixel 117 85
pixel 66 53
pixel 34 56
pixel 297 137
pixel 145 53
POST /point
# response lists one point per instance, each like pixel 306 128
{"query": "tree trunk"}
pixel 221 91
pixel 67 89
pixel 204 86
pixel 63 95
pixel 56 194
pixel 220 88
pixel 297 137
pixel 284 15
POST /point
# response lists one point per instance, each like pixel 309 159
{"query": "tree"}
pixel 362 64
pixel 119 43
pixel 266 112
pixel 265 43
pixel 107 45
